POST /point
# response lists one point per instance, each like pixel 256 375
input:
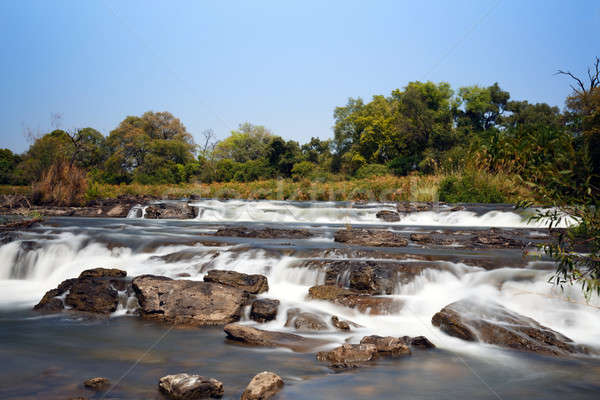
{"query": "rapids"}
pixel 37 260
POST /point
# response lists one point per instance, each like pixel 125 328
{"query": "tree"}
pixel 249 142
pixel 8 163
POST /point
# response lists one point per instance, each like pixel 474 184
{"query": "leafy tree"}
pixel 249 142
pixel 8 163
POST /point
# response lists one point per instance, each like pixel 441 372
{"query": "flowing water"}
pixel 48 356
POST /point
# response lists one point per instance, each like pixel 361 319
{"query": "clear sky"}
pixel 282 64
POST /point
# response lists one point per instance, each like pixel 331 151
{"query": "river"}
pixel 49 356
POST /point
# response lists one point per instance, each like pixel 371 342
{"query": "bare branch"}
pixel 579 81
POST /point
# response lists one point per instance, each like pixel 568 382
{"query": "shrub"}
pixel 470 187
pixel 370 170
pixel 63 184
pixel 303 169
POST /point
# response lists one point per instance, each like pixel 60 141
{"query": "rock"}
pixel 387 345
pixel 348 355
pixel 263 386
pixel 489 322
pixel 265 233
pixel 421 238
pixel 410 207
pixel 304 321
pixel 254 284
pixel 96 290
pixel 340 324
pixel 388 216
pixel 258 337
pixel 170 211
pixel 97 384
pixel 370 237
pixel 189 387
pixel 492 239
pixel 119 211
pixel 354 299
pixel 188 302
pixel 264 310
pixel 421 342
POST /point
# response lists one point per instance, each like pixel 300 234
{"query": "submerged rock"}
pixel 263 386
pixel 254 284
pixel 264 310
pixel 97 384
pixel 258 337
pixel 492 323
pixel 348 355
pixel 170 211
pixel 188 302
pixel 189 387
pixel 387 345
pixel 388 216
pixel 265 233
pixel 370 237
pixel 96 291
pixel 354 299
pixel 305 321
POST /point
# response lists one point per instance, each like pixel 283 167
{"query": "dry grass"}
pixel 64 184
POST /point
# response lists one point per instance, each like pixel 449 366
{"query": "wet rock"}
pixel 388 216
pixel 420 342
pixel 188 302
pixel 103 272
pixel 263 386
pixel 387 345
pixel 266 233
pixel 254 284
pixel 421 238
pixel 489 322
pixel 341 324
pixel 412 206
pixel 493 238
pixel 170 211
pixel 118 211
pixel 348 355
pixel 258 337
pixel 354 299
pixel 97 384
pixel 305 321
pixel 20 224
pixel 264 310
pixel 189 387
pixel 370 237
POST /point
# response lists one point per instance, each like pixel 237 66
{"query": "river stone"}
pixel 264 310
pixel 97 384
pixel 258 337
pixel 265 233
pixel 188 302
pixel 170 211
pixel 305 321
pixel 340 324
pixel 103 272
pixel 388 216
pixel 420 342
pixel 387 345
pixel 489 322
pixel 413 206
pixel 254 284
pixel 263 386
pixel 370 237
pixel 348 355
pixel 188 387
pixel 353 299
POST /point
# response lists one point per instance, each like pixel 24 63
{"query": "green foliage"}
pixel 371 170
pixel 470 187
pixel 8 163
pixel 303 169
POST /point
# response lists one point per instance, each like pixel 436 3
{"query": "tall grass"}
pixel 63 184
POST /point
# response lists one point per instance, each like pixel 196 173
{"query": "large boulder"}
pixel 387 345
pixel 258 337
pixel 190 387
pixel 370 237
pixel 489 322
pixel 348 355
pixel 420 342
pixel 170 211
pixel 254 284
pixel 353 299
pixel 388 216
pixel 265 233
pixel 263 386
pixel 305 321
pixel 264 310
pixel 406 207
pixel 188 302
pixel 95 290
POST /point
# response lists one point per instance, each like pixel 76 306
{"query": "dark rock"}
pixel 348 355
pixel 410 207
pixel 188 302
pixel 265 233
pixel 340 324
pixel 421 238
pixel 370 237
pixel 387 345
pixel 421 342
pixel 304 321
pixel 493 239
pixel 388 216
pixel 492 323
pixel 189 387
pixel 264 310
pixel 263 386
pixel 254 284
pixel 258 337
pixel 354 299
pixel 170 211
pixel 97 384
pixel 103 272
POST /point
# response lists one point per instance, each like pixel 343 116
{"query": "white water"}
pixel 345 213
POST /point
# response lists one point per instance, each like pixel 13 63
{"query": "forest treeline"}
pixel 424 128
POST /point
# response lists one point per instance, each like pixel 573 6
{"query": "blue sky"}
pixel 285 65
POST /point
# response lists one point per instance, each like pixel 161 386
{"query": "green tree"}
pixel 249 142
pixel 8 163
